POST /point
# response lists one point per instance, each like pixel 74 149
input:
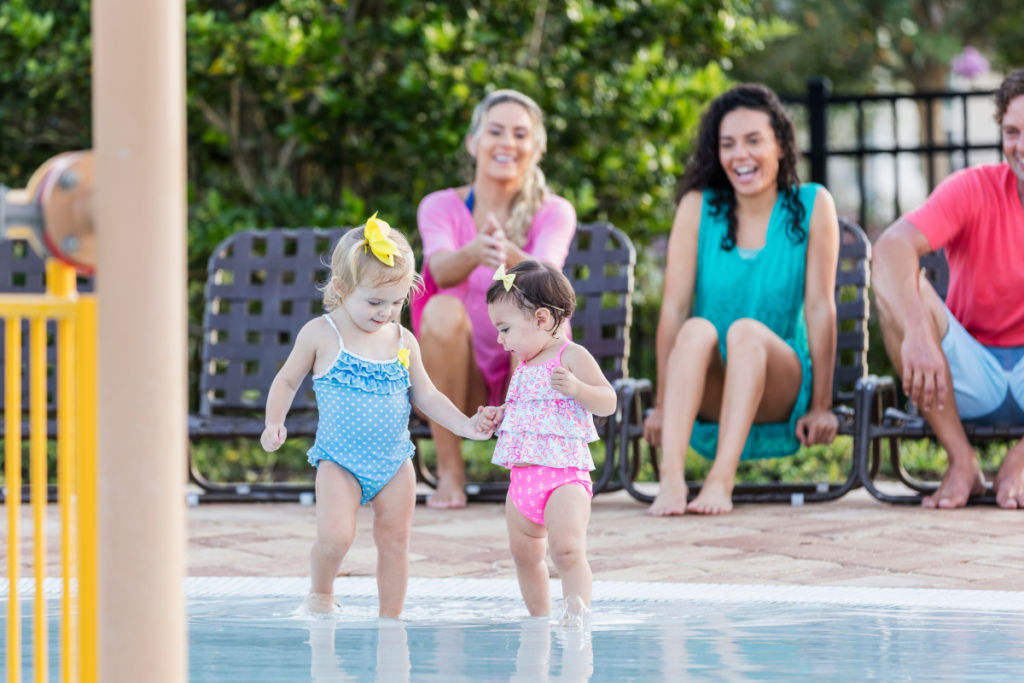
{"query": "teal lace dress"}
pixel 767 286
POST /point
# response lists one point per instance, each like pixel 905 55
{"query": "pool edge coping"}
pixel 604 591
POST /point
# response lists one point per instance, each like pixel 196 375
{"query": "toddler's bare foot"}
pixel 573 612
pixel 715 498
pixel 322 603
pixel 671 498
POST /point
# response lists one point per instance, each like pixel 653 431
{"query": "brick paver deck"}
pixel 855 541
pixel 851 542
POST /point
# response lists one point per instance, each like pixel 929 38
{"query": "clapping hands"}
pixel 490 244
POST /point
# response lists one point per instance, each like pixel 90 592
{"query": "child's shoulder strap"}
pixel 341 342
pixel 558 358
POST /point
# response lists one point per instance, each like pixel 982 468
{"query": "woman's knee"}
pixel 695 334
pixel 745 334
pixel 444 319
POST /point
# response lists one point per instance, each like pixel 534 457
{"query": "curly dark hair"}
pixel 1011 88
pixel 704 171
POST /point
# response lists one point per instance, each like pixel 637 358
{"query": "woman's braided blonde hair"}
pixel 534 192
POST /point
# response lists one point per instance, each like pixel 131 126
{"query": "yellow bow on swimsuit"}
pixel 501 276
pixel 376 234
pixel 403 357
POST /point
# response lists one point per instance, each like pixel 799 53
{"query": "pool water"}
pixel 451 641
pixel 253 639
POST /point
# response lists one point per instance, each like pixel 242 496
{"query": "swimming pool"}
pixel 247 630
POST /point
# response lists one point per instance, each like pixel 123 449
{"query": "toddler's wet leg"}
pixel 392 527
pixel 337 501
pixel 528 543
pixel 567 515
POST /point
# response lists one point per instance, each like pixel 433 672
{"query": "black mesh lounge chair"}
pixel 261 290
pixel 876 401
pixel 24 272
pixel 852 281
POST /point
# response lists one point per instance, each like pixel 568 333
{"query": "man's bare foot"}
pixel 450 493
pixel 671 498
pixel 715 498
pixel 960 482
pixel 1009 483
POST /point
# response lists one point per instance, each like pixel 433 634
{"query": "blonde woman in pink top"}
pixel 506 216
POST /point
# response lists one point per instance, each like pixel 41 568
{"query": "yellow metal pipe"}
pixel 35 305
pixel 66 490
pixel 139 134
pixel 37 477
pixel 12 477
pixel 88 493
pixel 60 281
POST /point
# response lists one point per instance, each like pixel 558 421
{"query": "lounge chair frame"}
pixel 884 421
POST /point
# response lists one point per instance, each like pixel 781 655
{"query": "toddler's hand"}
pixel 565 382
pixel 476 427
pixel 273 436
pixel 490 417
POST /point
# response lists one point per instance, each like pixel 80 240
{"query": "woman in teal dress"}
pixel 747 335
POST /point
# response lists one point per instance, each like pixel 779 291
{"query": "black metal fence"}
pixel 949 145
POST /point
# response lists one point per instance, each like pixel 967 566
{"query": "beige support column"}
pixel 139 138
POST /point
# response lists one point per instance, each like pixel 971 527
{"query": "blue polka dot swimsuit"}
pixel 364 417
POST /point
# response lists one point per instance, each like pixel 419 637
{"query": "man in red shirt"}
pixel 964 359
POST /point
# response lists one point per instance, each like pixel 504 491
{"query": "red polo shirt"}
pixel 976 214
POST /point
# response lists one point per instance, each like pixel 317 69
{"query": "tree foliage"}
pixel 315 112
pixel 861 43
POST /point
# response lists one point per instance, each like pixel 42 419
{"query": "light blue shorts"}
pixel 988 381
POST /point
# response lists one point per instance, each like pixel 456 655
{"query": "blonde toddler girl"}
pixel 366 369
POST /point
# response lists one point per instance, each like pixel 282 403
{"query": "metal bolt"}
pixel 69 245
pixel 68 180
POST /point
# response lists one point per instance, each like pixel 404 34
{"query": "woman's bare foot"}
pixel 450 493
pixel 960 482
pixel 1009 482
pixel 715 498
pixel 671 498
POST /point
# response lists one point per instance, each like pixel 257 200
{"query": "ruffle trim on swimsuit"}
pixel 370 376
pixel 550 450
pixel 560 417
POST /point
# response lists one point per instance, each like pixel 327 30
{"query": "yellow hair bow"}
pixel 403 357
pixel 502 276
pixel 376 234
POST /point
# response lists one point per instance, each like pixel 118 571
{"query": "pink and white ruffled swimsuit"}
pixel 550 431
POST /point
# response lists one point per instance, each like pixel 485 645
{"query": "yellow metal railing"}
pixel 77 486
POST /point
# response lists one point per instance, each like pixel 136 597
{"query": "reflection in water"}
pixel 393 664
pixel 534 656
pixel 450 653
pixel 533 661
pixel 325 666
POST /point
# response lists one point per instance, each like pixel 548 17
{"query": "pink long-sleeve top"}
pixel 446 224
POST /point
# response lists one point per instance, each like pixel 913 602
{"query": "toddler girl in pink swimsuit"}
pixel 546 423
